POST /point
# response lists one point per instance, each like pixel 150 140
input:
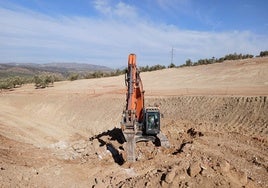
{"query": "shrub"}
pixel 152 68
pixel 17 81
pixel 5 84
pixel 43 81
pixel 73 76
pixel 11 82
pixel 88 76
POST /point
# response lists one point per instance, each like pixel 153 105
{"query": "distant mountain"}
pixel 30 69
pixel 63 66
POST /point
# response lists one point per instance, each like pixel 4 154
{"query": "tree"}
pixel 16 81
pixel 5 84
pixel 97 74
pixel 39 82
pixel 263 53
pixel 11 82
pixel 188 62
pixel 73 76
pixel 43 81
pixel 172 65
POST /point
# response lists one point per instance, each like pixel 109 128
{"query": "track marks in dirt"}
pixel 248 115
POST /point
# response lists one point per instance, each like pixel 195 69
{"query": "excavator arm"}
pixel 135 93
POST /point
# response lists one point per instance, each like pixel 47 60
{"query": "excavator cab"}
pixel 152 121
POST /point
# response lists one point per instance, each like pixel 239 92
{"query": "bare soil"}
pixel 215 117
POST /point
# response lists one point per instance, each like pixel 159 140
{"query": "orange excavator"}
pixel 139 123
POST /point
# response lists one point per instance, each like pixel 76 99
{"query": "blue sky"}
pixel 104 32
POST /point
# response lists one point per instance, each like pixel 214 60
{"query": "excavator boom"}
pixel 135 93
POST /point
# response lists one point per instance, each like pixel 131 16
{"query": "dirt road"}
pixel 215 116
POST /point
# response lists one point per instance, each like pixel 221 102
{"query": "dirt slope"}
pixel 215 116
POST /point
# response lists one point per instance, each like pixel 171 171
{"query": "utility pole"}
pixel 172 55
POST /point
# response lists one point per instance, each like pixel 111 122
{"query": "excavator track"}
pixel 163 140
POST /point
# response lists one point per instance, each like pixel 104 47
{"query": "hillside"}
pixel 215 117
pixel 30 69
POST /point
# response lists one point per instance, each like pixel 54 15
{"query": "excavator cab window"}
pixel 152 123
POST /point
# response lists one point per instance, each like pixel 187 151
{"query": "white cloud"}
pixel 103 6
pixel 119 10
pixel 27 36
pixel 123 10
pixel 176 6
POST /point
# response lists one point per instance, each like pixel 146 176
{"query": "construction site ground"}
pixel 215 117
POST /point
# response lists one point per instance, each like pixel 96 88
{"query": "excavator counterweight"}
pixel 138 123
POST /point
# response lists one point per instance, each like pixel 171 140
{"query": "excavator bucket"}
pixel 130 146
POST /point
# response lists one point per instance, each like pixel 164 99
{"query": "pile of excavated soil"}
pixel 215 117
